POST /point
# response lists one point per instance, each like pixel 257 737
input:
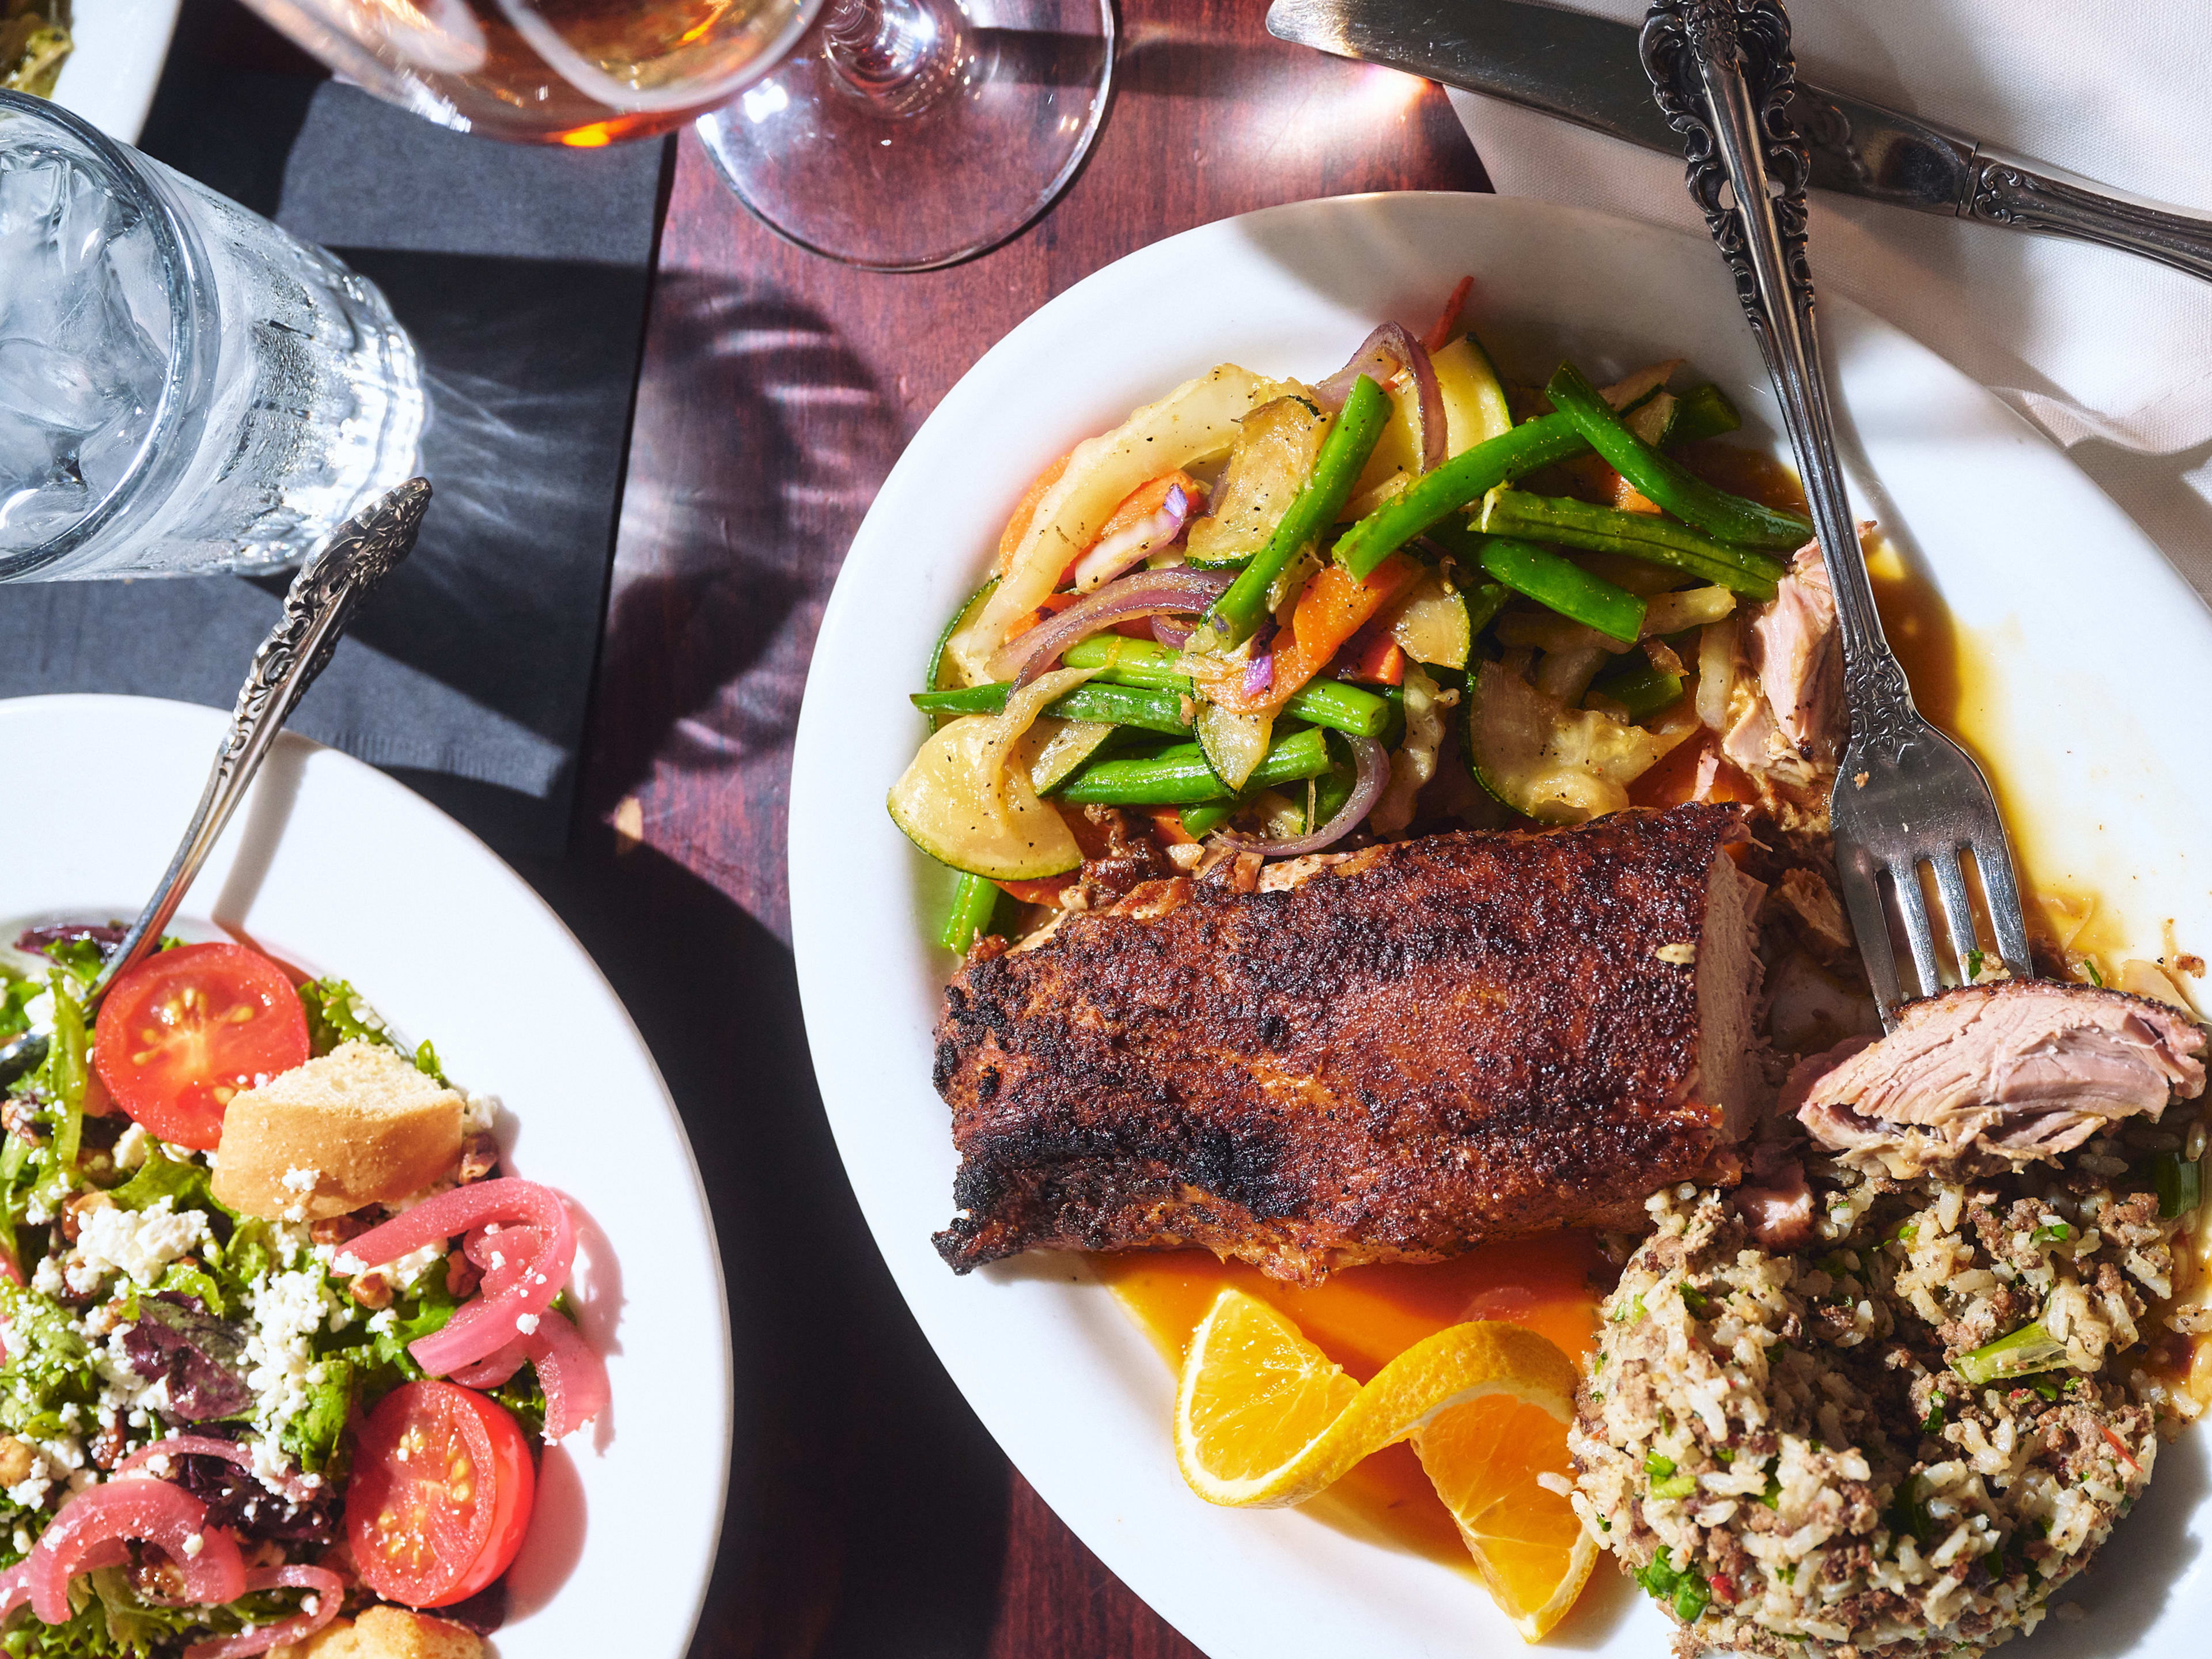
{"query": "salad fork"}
pixel 1906 794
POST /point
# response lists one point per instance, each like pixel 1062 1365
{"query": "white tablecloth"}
pixel 2110 354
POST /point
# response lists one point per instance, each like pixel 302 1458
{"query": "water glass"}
pixel 184 387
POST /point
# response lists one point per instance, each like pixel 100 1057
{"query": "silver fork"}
pixel 1906 795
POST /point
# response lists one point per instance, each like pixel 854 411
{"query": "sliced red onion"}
pixel 1173 635
pixel 1373 763
pixel 1385 354
pixel 1259 675
pixel 1126 547
pixel 1143 593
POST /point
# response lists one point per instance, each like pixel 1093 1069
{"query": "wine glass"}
pixel 894 134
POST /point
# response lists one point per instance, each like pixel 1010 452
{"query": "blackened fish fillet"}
pixel 1418 1047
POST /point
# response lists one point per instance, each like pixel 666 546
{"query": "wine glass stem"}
pixel 898 56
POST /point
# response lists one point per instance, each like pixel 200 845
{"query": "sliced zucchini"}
pixel 1474 396
pixel 965 803
pixel 1432 625
pixel 1235 744
pixel 1053 749
pixel 944 675
pixel 1275 452
pixel 1550 762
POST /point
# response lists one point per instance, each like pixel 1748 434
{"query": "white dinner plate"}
pixel 332 865
pixel 112 70
pixel 2098 679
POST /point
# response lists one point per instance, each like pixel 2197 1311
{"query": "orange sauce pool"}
pixel 1361 1317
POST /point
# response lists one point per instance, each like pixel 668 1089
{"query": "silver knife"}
pixel 1586 69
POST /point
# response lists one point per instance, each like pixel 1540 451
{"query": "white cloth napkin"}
pixel 2108 353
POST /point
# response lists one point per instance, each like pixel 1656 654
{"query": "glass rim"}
pixel 184 277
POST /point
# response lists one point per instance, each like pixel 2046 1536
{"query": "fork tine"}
pixel 1912 904
pixel 1870 923
pixel 2002 892
pixel 1958 908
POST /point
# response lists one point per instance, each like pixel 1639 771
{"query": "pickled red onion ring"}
pixel 329 1591
pixel 488 1323
pixel 93 1525
pixel 569 1369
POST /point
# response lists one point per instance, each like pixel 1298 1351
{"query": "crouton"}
pixel 358 1125
pixel 383 1632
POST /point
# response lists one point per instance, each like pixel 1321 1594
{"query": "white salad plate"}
pixel 2097 680
pixel 115 63
pixel 335 867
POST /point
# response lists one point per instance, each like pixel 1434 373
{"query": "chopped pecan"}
pixel 479 1157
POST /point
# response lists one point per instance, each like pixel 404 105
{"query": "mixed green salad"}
pixel 136 1308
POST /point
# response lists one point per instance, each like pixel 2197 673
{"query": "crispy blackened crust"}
pixel 1431 1044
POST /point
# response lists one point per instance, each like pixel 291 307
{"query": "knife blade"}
pixel 1586 69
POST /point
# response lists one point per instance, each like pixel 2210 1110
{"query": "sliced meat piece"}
pixel 1986 1077
pixel 1412 1049
pixel 1794 651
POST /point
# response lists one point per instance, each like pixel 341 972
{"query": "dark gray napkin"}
pixel 522 274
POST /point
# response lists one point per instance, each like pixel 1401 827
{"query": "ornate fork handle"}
pixel 317 608
pixel 1724 77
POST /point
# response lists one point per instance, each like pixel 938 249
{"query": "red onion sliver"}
pixel 329 1592
pixel 1173 635
pixel 14 1587
pixel 1126 547
pixel 1259 675
pixel 1385 353
pixel 1142 593
pixel 100 1517
pixel 1373 763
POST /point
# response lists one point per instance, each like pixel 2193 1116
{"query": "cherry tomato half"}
pixel 188 1028
pixel 441 1494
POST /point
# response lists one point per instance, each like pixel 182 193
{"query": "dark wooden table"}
pixel 870 1513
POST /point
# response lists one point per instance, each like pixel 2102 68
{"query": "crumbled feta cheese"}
pixel 22 1540
pixel 69 1412
pixel 301 1180
pixel 498 1260
pixel 478 1113
pixel 296 1213
pixel 40 1011
pixel 30 1491
pixel 288 1309
pixel 381 1321
pixel 46 1277
pixel 194 1544
pixel 347 1265
pixel 412 1266
pixel 130 1148
pixel 138 1243
pixel 526 1323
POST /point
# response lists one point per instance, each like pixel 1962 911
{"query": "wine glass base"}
pixel 826 167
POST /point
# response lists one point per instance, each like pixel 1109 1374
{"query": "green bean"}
pixel 1640 688
pixel 975 900
pixel 1466 477
pixel 1206 816
pixel 1336 470
pixel 1703 411
pixel 1560 585
pixel 1121 660
pixel 1180 776
pixel 1109 704
pixel 1665 481
pixel 1644 536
